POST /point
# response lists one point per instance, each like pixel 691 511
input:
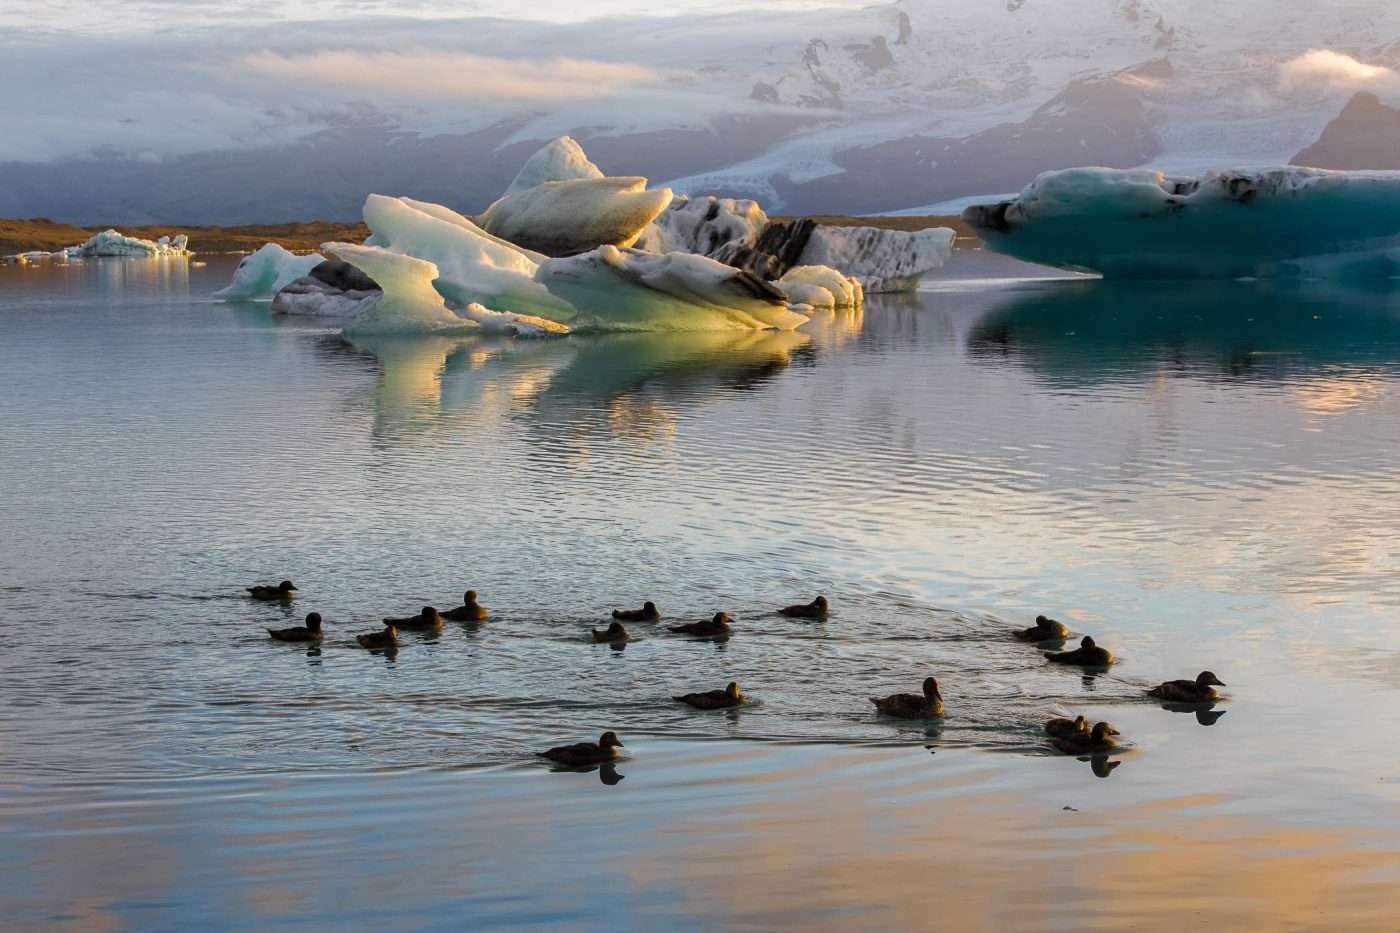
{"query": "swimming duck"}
pixel 1059 727
pixel 1087 654
pixel 1189 691
pixel 714 699
pixel 648 613
pixel 586 753
pixel 719 625
pixel 311 631
pixel 427 619
pixel 1086 743
pixel 614 632
pixel 1045 629
pixel 469 611
pixel 913 706
pixel 816 609
pixel 282 590
pixel 377 641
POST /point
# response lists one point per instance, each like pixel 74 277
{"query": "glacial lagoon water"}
pixel 1201 476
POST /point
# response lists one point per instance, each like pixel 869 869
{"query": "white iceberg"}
pixel 561 160
pixel 564 218
pixel 627 289
pixel 112 243
pixel 820 287
pixel 881 260
pixel 1237 223
pixel 409 303
pixel 473 265
pixel 509 322
pixel 721 228
pixel 332 289
pixel 267 272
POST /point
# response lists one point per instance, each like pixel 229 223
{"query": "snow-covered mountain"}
pixel 890 106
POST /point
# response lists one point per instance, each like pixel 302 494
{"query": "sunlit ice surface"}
pixel 1201 476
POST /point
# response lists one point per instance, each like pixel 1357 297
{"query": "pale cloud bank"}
pixel 1340 71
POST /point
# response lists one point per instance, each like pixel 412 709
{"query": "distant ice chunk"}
pixel 1237 223
pixel 112 243
pixel 564 218
pixel 267 272
pixel 880 260
pixel 561 160
pixel 820 287
pixel 409 304
pixel 721 228
pixel 473 265
pixel 628 289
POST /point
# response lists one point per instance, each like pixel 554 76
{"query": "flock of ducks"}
pixel 1072 736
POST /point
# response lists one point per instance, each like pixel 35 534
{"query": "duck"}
pixel 1045 629
pixel 1189 691
pixel 586 753
pixel 648 613
pixel 614 633
pixel 715 699
pixel 427 619
pixel 469 611
pixel 377 641
pixel 1087 654
pixel 311 631
pixel 1086 743
pixel 719 625
pixel 913 706
pixel 1070 727
pixel 283 590
pixel 816 609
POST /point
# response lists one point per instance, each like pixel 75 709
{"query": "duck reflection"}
pixel 1083 332
pixel 1101 765
pixel 1206 714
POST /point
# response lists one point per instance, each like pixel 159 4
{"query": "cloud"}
pixel 442 74
pixel 1338 70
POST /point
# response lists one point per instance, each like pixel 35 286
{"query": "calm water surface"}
pixel 1198 475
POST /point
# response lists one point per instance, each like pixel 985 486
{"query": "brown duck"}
pixel 1086 743
pixel 469 611
pixel 311 631
pixel 613 633
pixel 1066 727
pixel 1087 654
pixel 1045 629
pixel 719 625
pixel 911 705
pixel 378 641
pixel 816 609
pixel 1189 691
pixel 283 590
pixel 648 613
pixel 586 753
pixel 714 699
pixel 425 620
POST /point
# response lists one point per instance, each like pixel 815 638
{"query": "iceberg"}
pixel 561 160
pixel 267 272
pixel 628 289
pixel 564 218
pixel 509 322
pixel 112 243
pixel 409 304
pixel 1238 223
pixel 473 265
pixel 721 228
pixel 332 289
pixel 820 287
pixel 880 260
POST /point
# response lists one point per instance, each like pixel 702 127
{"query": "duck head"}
pixel 931 689
pixel 286 586
pixel 429 612
pixel 468 597
pixel 1103 730
pixel 610 740
pixel 650 607
pixel 1207 679
pixel 721 618
pixel 1087 642
pixel 733 690
pixel 1042 621
pixel 391 631
pixel 313 621
pixel 1081 724
pixel 820 603
pixel 616 629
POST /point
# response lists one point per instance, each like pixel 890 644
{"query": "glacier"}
pixel 1275 222
pixel 628 289
pixel 267 272
pixel 560 160
pixel 564 218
